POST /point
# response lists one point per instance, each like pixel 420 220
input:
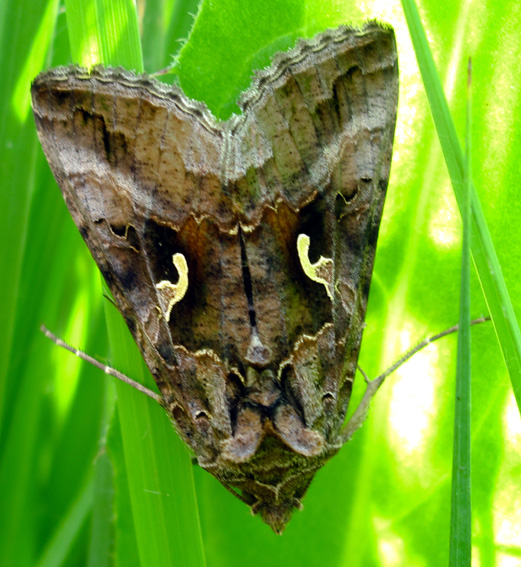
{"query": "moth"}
pixel 240 252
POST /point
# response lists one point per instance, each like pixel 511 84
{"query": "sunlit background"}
pixel 385 499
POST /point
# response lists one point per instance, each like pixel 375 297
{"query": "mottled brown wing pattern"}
pixel 240 253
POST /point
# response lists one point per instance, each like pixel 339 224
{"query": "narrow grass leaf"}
pixel 20 58
pixel 461 512
pixel 158 466
pixel 483 251
pixel 104 32
pixel 59 545
pixel 102 534
pixel 25 32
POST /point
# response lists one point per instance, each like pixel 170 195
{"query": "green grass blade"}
pixel 102 520
pixel 125 551
pixel 102 31
pixel 59 546
pixel 158 467
pixel 21 401
pixel 461 513
pixel 21 56
pixel 100 544
pixel 484 254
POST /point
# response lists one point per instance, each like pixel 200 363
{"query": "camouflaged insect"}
pixel 240 253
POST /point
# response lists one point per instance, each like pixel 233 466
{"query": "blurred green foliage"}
pixel 67 472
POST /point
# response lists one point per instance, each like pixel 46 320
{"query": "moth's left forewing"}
pixel 134 167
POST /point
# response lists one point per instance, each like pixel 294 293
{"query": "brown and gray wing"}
pixel 133 162
pixel 316 137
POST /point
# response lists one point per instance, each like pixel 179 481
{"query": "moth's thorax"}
pixel 240 253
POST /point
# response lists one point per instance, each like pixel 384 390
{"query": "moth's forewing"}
pixel 255 358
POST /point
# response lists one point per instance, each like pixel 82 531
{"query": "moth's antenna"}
pixel 358 418
pixel 97 364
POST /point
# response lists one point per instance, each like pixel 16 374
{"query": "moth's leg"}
pixel 358 418
pixel 107 369
pixel 109 299
pixel 247 501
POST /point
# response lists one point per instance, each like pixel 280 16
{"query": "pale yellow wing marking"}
pixel 321 271
pixel 169 293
